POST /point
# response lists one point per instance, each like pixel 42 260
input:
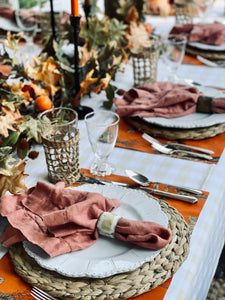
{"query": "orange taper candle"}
pixel 74 8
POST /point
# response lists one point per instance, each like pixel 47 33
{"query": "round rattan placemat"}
pixel 206 53
pixel 175 133
pixel 119 286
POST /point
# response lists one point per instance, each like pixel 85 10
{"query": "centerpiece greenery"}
pixel 30 87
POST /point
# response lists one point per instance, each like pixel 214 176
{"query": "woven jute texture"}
pixel 175 133
pixel 62 158
pixel 145 67
pixel 184 13
pixel 205 53
pixel 120 286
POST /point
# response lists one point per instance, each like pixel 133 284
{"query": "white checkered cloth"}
pixel 193 279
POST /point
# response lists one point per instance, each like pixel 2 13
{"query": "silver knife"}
pixel 149 138
pixel 189 199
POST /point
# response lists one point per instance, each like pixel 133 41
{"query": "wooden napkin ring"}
pixel 204 104
pixel 107 224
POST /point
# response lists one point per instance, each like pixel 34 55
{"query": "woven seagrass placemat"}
pixel 206 53
pixel 175 133
pixel 119 286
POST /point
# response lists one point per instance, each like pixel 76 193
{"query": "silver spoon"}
pixel 144 181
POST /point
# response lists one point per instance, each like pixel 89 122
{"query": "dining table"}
pixel 203 223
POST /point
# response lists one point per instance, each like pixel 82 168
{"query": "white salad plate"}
pixel 207 46
pixel 107 256
pixel 195 120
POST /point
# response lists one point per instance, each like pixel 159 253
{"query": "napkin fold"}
pixel 213 34
pixel 167 100
pixel 61 220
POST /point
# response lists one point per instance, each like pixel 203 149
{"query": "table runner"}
pixel 13 284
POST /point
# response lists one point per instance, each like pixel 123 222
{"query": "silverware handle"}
pixel 197 155
pixel 189 199
pixel 207 151
pixel 183 188
pixel 185 198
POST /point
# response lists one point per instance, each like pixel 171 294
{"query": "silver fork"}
pixel 150 139
pixel 41 295
pixel 166 150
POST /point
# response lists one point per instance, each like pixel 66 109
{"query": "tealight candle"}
pixel 74 8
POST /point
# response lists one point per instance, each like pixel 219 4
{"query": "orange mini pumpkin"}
pixel 43 102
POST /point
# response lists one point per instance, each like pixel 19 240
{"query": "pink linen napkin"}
pixel 166 99
pixel 61 220
pixel 213 34
pixel 6 12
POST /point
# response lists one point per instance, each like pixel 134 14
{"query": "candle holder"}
pixel 87 10
pixel 80 109
pixel 52 20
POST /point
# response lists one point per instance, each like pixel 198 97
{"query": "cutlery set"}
pixel 167 148
pixel 173 148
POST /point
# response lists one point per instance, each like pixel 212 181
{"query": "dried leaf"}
pixel 6 161
pixel 32 128
pixel 85 84
pixel 47 73
pixel 8 119
pixel 15 182
pixel 132 15
pixel 85 54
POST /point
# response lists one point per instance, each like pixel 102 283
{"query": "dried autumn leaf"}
pixel 85 55
pixel 132 15
pixel 47 73
pixel 103 85
pixel 17 89
pixel 32 128
pixel 38 90
pixel 85 84
pixel 14 183
pixel 6 161
pixel 8 119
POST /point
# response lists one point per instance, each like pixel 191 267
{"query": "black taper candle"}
pixel 52 20
pixel 87 10
pixel 75 21
pixel 81 110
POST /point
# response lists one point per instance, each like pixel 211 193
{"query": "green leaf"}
pixel 11 140
pixel 32 128
pixel 6 161
pixel 110 94
pixel 110 91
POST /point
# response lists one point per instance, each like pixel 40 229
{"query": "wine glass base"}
pixel 82 111
pixel 101 169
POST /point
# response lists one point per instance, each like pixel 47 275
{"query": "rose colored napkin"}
pixel 6 12
pixel 166 99
pixel 213 34
pixel 61 220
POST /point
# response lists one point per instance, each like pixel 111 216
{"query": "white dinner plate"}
pixel 195 120
pixel 207 46
pixel 107 256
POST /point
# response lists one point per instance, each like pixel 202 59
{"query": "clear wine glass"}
pixel 203 7
pixel 172 55
pixel 102 127
pixel 27 21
